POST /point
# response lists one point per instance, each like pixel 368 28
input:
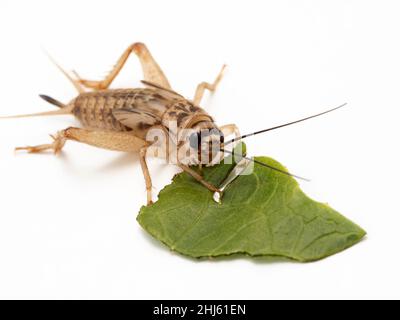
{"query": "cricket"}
pixel 152 121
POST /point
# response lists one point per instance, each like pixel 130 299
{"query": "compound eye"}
pixel 221 138
pixel 195 140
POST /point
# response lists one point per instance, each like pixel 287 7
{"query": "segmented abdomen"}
pixel 94 109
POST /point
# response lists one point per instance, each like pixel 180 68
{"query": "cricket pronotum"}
pixel 154 120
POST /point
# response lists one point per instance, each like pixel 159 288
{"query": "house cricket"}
pixel 122 120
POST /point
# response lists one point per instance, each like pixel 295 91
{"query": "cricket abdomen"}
pixel 95 109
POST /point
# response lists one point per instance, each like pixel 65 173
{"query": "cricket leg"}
pixel 57 144
pixel 117 141
pixel 199 178
pixel 146 174
pixel 229 129
pixel 209 86
pixel 151 70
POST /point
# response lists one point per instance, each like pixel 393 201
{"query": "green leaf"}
pixel 262 214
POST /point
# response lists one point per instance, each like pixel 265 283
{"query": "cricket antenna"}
pixel 283 125
pixel 265 165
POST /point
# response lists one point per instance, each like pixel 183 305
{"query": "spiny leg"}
pixel 205 85
pixel 199 178
pixel 146 174
pixel 151 70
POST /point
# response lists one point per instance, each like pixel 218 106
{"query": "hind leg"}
pixel 151 70
pixel 117 141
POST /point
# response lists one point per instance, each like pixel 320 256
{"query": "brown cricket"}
pixel 121 120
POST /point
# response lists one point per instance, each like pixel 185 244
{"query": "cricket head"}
pixel 202 145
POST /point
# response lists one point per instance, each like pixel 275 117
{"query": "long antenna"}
pixel 264 164
pixel 282 125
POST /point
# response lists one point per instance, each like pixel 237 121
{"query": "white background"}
pixel 67 223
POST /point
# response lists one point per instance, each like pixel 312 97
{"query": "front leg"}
pixel 146 174
pixel 199 178
pixel 229 129
pixel 209 86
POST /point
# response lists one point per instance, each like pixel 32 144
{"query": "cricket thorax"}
pixel 183 115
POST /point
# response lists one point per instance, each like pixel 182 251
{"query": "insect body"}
pixel 123 120
pixel 120 119
pixel 136 111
